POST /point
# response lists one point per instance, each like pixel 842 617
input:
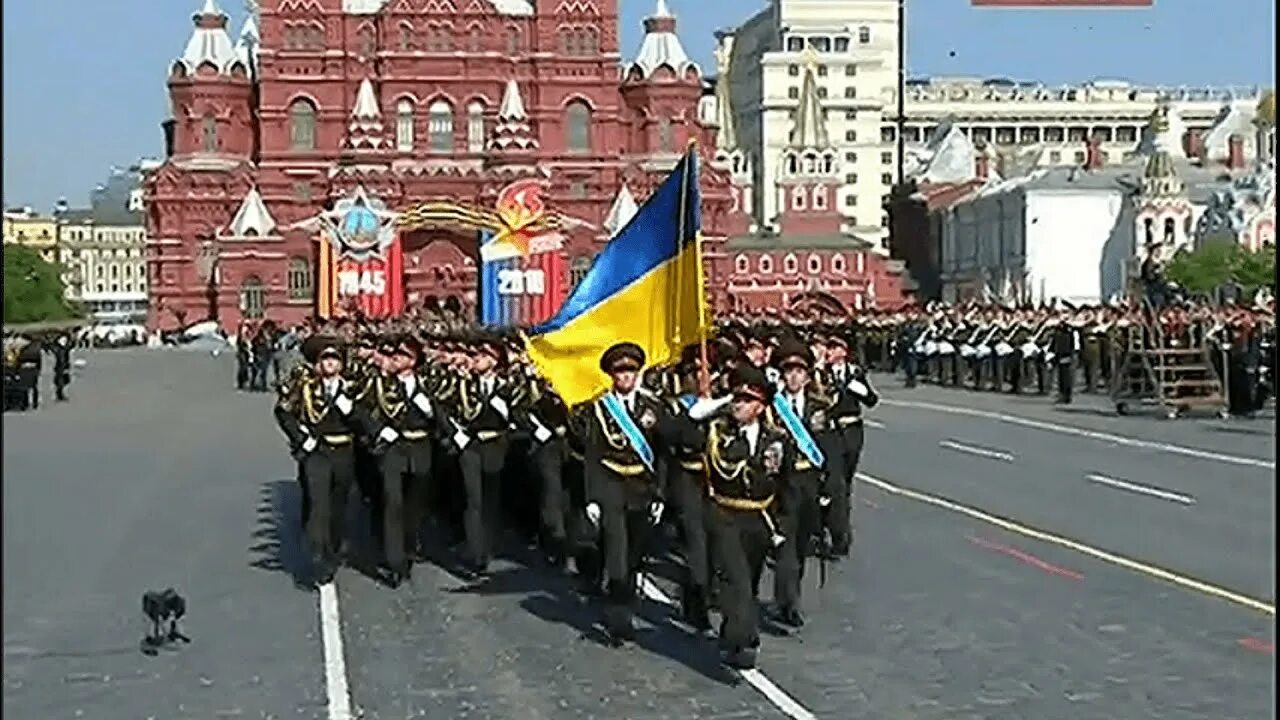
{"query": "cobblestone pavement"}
pixel 157 474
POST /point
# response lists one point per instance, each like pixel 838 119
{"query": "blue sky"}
pixel 84 81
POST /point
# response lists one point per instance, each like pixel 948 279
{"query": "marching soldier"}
pixel 687 485
pixel 480 421
pixel 29 365
pixel 746 458
pixel 321 421
pixel 548 419
pixel 1065 343
pixel 851 391
pixel 802 410
pixel 403 417
pixel 61 351
pixel 621 432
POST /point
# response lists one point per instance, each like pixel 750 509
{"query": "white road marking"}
pixel 756 679
pixel 1092 434
pixel 1154 571
pixel 981 452
pixel 335 662
pixel 873 423
pixel 1143 489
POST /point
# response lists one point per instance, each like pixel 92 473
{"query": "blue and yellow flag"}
pixel 645 287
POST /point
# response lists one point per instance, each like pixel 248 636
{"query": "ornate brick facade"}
pixel 413 100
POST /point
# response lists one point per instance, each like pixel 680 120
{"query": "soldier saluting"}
pixel 746 458
pixel 621 432
pixel 402 417
pixel 321 422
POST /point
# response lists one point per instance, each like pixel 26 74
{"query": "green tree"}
pixel 1221 260
pixel 33 290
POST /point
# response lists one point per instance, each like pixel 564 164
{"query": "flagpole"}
pixel 704 373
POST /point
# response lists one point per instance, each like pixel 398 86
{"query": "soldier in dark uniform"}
pixel 403 419
pixel 61 351
pixel 622 434
pixel 481 419
pixel 850 389
pixel 1065 344
pixel 321 421
pixel 29 365
pixel 688 490
pixel 803 410
pixel 547 421
pixel 746 458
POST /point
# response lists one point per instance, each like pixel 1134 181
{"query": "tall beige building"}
pixel 1020 124
pixel 102 252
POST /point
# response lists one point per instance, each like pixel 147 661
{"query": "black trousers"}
pixel 690 494
pixel 625 534
pixel 481 465
pixel 838 518
pixel 798 521
pixel 740 541
pixel 406 477
pixel 553 505
pixel 329 472
pixel 1066 379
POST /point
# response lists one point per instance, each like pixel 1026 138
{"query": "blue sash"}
pixel 634 436
pixel 687 400
pixel 798 431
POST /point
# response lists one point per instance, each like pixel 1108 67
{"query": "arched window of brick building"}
pixel 253 298
pixel 790 265
pixel 741 265
pixel 578 268
pixel 666 139
pixel 406 37
pixel 815 263
pixel 302 125
pixel 209 133
pixel 838 264
pixel 577 124
pixel 475 127
pixel 404 125
pixel 440 126
pixel 765 264
pixel 300 287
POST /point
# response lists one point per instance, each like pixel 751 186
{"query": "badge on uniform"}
pixel 818 420
pixel 648 419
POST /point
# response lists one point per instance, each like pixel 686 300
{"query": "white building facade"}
pixel 1036 238
pixel 102 252
pixel 1023 124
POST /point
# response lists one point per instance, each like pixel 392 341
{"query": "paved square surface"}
pixel 1013 560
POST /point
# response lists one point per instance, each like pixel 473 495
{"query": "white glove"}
pixel 1003 349
pixel 593 513
pixel 423 404
pixel 461 439
pixel 388 435
pixel 858 387
pixel 704 408
pixel 343 404
pixel 824 501
pixel 655 511
pixel 500 405
pixel 540 431
pixel 778 539
pixel 1029 348
pixel 309 444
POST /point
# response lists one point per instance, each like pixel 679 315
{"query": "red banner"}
pixel 374 285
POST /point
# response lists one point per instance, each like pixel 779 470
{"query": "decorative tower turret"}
pixel 1163 209
pixel 810 173
pixel 662 87
pixel 211 89
pixel 512 142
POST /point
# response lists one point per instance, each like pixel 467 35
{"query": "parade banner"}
pixel 360 263
pixel 520 291
pixel 521 268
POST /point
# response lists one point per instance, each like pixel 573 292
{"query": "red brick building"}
pixel 416 101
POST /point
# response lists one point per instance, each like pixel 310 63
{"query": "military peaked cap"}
pixel 622 356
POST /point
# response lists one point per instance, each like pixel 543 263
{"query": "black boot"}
pixel 694 609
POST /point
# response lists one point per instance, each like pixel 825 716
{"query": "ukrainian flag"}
pixel 645 287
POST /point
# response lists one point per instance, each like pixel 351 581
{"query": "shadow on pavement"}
pixel 278 544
